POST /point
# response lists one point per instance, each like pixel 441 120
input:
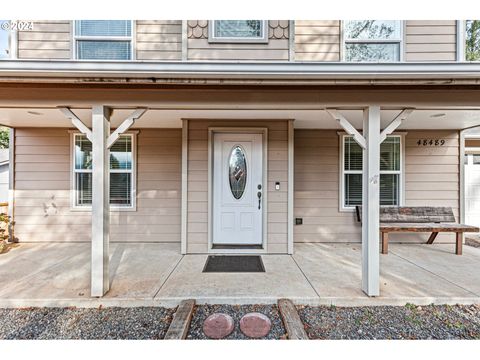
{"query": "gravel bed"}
pixel 392 322
pixel 324 322
pixel 474 242
pixel 73 323
pixel 201 312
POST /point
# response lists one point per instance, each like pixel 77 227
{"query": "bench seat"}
pixel 419 219
pixel 427 227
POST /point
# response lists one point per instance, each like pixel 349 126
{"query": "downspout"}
pixel 11 184
pixel 460 40
pixel 462 175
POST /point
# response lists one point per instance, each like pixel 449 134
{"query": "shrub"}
pixel 4 222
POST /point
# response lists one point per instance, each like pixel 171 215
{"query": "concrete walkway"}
pixel 157 275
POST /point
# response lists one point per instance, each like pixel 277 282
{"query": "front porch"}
pixel 53 274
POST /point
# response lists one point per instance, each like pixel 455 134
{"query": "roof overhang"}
pixel 256 73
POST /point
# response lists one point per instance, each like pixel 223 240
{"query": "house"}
pixel 233 137
pixel 4 175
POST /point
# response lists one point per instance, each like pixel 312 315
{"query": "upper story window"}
pixel 372 40
pixel 4 40
pixel 472 40
pixel 103 39
pixel 238 31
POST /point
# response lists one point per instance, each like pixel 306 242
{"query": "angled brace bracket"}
pixel 347 127
pixel 76 122
pixel 395 123
pixel 126 124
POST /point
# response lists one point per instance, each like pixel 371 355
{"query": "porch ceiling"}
pixel 424 118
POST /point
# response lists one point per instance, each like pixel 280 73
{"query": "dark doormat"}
pixel 231 263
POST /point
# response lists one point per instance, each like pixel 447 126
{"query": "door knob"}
pixel 259 195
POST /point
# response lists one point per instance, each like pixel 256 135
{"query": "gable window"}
pixel 391 159
pixel 238 31
pixel 122 176
pixel 103 39
pixel 372 40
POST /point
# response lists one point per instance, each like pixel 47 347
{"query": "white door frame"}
pixel 236 130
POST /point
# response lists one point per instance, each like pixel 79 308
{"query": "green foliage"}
pixel 472 40
pixel 4 138
pixel 4 221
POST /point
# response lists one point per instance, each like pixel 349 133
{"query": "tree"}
pixel 472 40
pixel 3 138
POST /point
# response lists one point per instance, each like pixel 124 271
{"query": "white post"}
pixel 371 202
pixel 100 281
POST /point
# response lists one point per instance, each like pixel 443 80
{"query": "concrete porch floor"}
pixel 144 274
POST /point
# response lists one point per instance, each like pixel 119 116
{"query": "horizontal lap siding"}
pixel 197 224
pixel 159 39
pixel 432 175
pixel 42 183
pixel 48 40
pixel 199 48
pixel 317 40
pixel 431 179
pixel 430 40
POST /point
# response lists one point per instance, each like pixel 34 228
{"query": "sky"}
pixel 3 41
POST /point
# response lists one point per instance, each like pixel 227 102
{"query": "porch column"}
pixel 371 202
pixel 100 281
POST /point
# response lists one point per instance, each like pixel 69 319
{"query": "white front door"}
pixel 472 189
pixel 237 189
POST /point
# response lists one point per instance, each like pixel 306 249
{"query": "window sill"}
pixel 347 209
pixel 238 41
pixel 112 209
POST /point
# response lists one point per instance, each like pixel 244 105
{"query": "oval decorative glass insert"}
pixel 237 171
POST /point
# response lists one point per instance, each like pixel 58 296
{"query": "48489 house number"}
pixel 430 142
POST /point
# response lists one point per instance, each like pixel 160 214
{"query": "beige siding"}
pixel 430 40
pixel 159 39
pixel 200 49
pixel 317 40
pixel 48 40
pixel 42 183
pixel 431 179
pixel 197 241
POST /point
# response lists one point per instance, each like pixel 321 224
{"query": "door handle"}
pixel 259 195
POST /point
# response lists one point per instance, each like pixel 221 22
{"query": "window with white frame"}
pixel 238 31
pixel 390 171
pixel 372 40
pixel 103 39
pixel 122 167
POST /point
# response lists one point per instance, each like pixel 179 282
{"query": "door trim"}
pixel 236 130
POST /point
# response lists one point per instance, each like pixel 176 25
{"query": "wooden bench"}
pixel 419 219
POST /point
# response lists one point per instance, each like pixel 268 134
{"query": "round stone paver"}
pixel 218 326
pixel 255 325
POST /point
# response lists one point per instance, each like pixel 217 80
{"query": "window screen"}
pixel 103 39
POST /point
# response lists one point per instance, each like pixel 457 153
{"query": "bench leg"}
pixel 432 238
pixel 459 244
pixel 384 243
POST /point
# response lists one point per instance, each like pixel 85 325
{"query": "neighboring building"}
pixel 4 177
pixel 240 136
